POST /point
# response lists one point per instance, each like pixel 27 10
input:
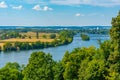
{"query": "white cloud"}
pixel 46 8
pixel 31 1
pixel 3 5
pixel 65 2
pixel 105 3
pixel 17 7
pixel 37 8
pixel 34 1
pixel 78 14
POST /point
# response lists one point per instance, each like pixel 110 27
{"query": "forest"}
pixel 91 63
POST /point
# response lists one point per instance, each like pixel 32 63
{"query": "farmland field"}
pixel 30 37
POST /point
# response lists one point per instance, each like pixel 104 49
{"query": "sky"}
pixel 58 12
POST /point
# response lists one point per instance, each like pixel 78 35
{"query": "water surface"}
pixel 22 57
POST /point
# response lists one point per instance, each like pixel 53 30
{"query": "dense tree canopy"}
pixel 12 71
pixel 39 67
pixel 9 34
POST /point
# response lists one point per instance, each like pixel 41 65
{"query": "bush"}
pixel 52 36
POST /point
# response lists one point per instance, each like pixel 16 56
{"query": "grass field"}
pixel 12 40
pixel 27 39
pixel 33 35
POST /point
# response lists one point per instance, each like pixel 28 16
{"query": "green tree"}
pixel 52 36
pixel 13 66
pixel 37 35
pixel 115 39
pixel 30 37
pixel 72 61
pixel 18 45
pixel 58 71
pixel 114 58
pixel 7 46
pixel 105 49
pixel 66 36
pixel 39 67
pixel 0 48
pixel 11 71
pixel 44 36
pixel 85 37
pixel 70 72
pixel 93 70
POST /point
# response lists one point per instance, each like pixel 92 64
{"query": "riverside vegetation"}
pixel 81 64
pixel 63 38
pixel 84 37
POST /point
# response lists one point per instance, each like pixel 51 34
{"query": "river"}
pixel 57 53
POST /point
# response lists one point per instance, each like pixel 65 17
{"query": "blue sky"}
pixel 57 12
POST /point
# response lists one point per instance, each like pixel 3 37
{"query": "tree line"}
pixel 15 34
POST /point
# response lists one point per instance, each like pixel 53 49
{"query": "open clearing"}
pixel 27 39
pixel 33 35
pixel 12 40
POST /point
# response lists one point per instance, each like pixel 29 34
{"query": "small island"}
pixel 84 37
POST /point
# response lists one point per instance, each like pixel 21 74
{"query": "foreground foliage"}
pixel 11 71
pixel 80 64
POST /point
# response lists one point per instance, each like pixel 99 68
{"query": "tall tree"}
pixel 37 35
pixel 114 58
pixel 115 39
